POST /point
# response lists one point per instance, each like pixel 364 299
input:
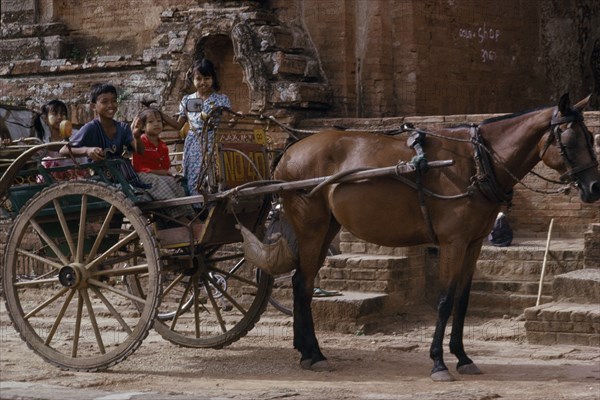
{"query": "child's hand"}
pixel 95 153
pixel 136 128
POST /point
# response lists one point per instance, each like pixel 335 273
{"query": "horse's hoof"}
pixel 306 364
pixel 319 366
pixel 442 376
pixel 322 366
pixel 469 369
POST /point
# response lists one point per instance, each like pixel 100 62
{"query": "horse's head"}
pixel 569 149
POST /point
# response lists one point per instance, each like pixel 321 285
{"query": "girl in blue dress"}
pixel 204 78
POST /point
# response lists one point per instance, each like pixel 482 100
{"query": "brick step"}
pixel 563 323
pixel 512 287
pixel 350 312
pixel 370 273
pixel 485 304
pixel 581 286
pixel 523 260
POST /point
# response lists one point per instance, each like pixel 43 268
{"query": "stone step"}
pixel 581 286
pixel 490 305
pixel 563 323
pixel 351 312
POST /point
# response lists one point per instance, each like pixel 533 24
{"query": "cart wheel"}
pixel 68 254
pixel 212 301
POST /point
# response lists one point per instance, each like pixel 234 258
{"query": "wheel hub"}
pixel 72 276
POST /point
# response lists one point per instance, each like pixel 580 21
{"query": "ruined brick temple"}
pixel 314 63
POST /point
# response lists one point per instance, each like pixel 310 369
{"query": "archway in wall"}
pixel 219 49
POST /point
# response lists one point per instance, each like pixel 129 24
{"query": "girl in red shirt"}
pixel 153 167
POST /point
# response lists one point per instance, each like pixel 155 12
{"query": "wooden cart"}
pixel 91 265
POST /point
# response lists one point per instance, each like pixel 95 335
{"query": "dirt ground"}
pixel 393 364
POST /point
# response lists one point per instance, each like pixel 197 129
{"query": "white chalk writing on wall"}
pixel 484 36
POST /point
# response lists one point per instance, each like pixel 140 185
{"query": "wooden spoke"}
pixel 82 225
pixel 77 326
pixel 126 240
pixel 101 234
pixel 94 323
pixel 112 310
pixel 225 294
pixel 45 304
pixel 64 225
pixel 180 305
pixel 35 282
pixel 214 305
pixel 117 291
pixel 49 241
pixel 59 317
pixel 37 257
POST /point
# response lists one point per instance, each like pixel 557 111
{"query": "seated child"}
pixel 47 127
pixel 153 167
pixel 103 137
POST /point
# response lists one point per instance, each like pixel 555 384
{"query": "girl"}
pixel 207 85
pixel 153 167
pixel 47 123
pixel 47 128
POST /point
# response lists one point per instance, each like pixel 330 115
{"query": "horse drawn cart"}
pixel 91 265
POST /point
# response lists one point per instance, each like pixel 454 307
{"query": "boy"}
pixel 103 137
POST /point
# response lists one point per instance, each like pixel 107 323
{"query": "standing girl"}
pixel 207 85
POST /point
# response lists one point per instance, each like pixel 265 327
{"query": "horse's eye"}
pixel 569 138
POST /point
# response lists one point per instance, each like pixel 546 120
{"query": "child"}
pixel 47 123
pixel 103 137
pixel 47 127
pixel 153 167
pixel 207 84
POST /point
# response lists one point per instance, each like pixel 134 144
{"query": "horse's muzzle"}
pixel 590 193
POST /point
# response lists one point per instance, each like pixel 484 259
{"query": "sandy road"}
pixel 389 365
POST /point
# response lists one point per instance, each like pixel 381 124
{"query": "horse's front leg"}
pixel 465 364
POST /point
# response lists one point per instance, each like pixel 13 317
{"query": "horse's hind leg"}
pixel 451 259
pixel 314 231
pixel 465 364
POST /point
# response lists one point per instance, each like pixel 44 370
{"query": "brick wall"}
pixel 448 57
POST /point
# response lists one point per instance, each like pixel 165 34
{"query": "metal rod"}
pixel 307 183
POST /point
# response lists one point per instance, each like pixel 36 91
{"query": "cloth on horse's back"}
pixel 277 255
pixel 501 234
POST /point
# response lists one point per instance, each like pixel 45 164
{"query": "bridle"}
pixel 556 135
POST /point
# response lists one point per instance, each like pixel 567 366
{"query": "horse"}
pixel 453 207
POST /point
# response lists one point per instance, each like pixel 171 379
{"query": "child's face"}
pixel 106 105
pixel 54 119
pixel 203 83
pixel 154 125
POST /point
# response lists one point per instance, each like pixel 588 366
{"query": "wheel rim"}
pixel 69 252
pixel 219 316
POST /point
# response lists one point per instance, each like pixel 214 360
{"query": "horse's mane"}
pixel 510 116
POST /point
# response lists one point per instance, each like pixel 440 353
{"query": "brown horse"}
pixel 389 213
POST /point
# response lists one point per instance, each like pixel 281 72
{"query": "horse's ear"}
pixel 582 104
pixel 564 104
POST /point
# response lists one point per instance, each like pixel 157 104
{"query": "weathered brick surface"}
pixel 591 254
pixel 564 323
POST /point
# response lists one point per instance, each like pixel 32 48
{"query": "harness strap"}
pixel 415 142
pixel 485 178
